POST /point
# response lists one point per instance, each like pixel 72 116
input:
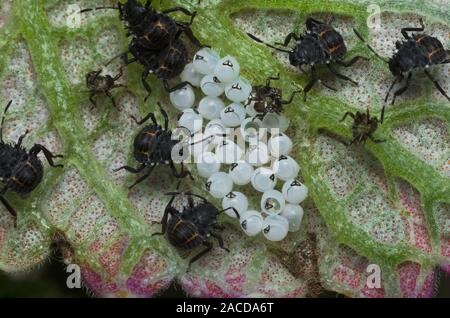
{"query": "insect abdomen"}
pixel 25 176
pixel 145 143
pixel 171 61
pixel 159 33
pixel 183 234
pixel 333 42
pixel 434 49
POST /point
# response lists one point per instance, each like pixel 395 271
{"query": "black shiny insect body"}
pixel 156 43
pixel 416 52
pixel 268 99
pixel 320 45
pixel 62 247
pixel 155 29
pixel 193 226
pixel 21 171
pixel 102 84
pixel 153 146
pixel 364 125
pixel 165 64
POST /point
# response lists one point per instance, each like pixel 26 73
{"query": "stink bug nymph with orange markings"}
pixel 320 45
pixel 20 171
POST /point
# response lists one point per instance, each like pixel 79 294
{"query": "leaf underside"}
pixel 386 204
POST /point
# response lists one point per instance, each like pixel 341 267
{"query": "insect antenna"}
pixel 370 48
pixel 267 44
pixel 3 120
pixel 97 8
pixel 116 57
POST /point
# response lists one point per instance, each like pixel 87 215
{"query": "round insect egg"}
pixel 198 144
pixel 285 168
pixel 263 179
pixel 272 202
pixel 183 98
pixel 294 191
pixel 211 86
pixel 280 144
pixel 228 152
pixel 219 184
pixel 241 172
pixel 191 120
pixel 239 90
pixel 294 214
pixel 275 228
pixel 250 109
pixel 236 200
pixel 251 222
pixel 227 69
pixel 190 75
pixel 207 164
pixel 210 107
pixel 271 121
pixel 283 123
pixel 217 130
pixel 233 115
pixel 251 130
pixel 205 61
pixel 257 154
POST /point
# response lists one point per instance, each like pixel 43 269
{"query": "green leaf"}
pixel 384 204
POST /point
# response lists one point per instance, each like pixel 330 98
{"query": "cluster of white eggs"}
pixel 247 159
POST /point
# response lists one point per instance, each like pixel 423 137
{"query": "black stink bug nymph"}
pixel 320 45
pixel 21 171
pixel 364 125
pixel 153 146
pixel 102 84
pixel 154 29
pixel 193 226
pixel 417 51
pixel 156 43
pixel 268 99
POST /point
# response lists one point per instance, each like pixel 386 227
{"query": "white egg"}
pixel 275 228
pixel 228 152
pixel 280 144
pixel 233 115
pixel 219 184
pixel 227 69
pixel 190 75
pixel 241 172
pixel 198 144
pixel 205 61
pixel 263 179
pixel 217 130
pixel 251 222
pixel 210 107
pixel 250 109
pixel 239 90
pixel 183 98
pixel 257 154
pixel 272 202
pixel 251 130
pixel 235 200
pixel 283 123
pixel 211 86
pixel 207 164
pixel 286 168
pixel 294 191
pixel 191 120
pixel 271 121
pixel 294 214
